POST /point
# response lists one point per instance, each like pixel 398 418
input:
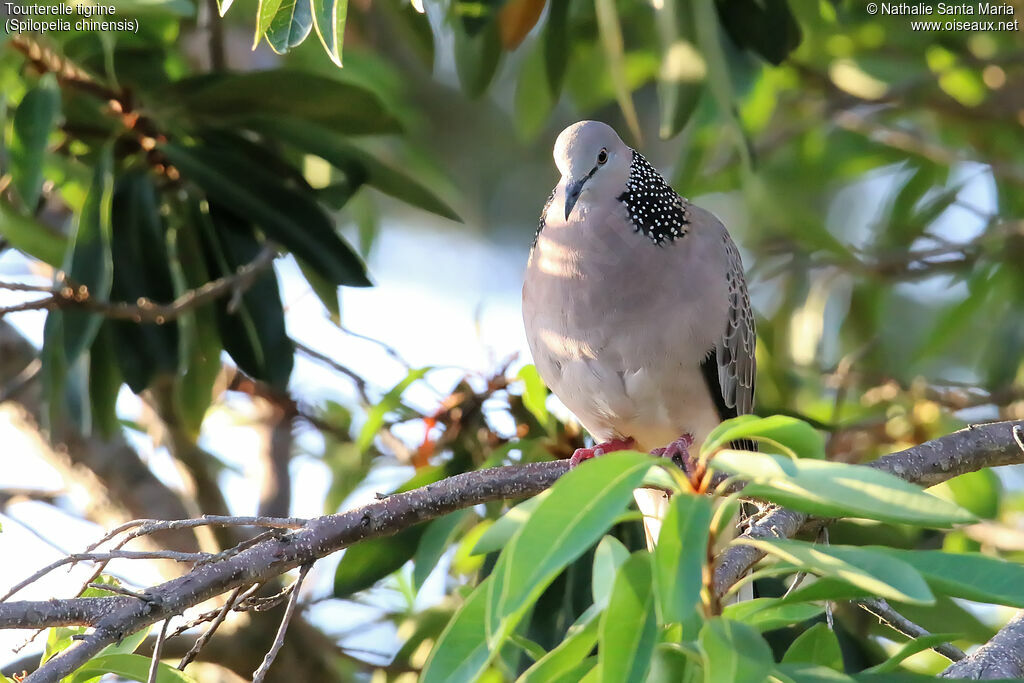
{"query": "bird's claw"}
pixel 679 452
pixel 582 454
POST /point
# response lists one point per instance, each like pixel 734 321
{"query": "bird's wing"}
pixel 734 351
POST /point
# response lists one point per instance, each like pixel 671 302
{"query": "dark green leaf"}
pixel 265 14
pixel 556 45
pixel 629 628
pixel 344 106
pixel 287 215
pixel 354 162
pixel 680 555
pixel 477 57
pixel 734 652
pixel 329 18
pixel 833 489
pixel 254 332
pixel 290 25
pixel 764 26
pixel 816 645
pixel 34 120
pixel 141 269
pixel 89 262
pixel 104 383
pixel 366 563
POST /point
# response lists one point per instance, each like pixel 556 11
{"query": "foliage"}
pixel 871 172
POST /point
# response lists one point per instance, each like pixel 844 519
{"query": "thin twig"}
pixel 69 295
pixel 208 633
pixel 356 378
pixel 896 621
pixel 154 664
pixel 261 672
pixel 172 555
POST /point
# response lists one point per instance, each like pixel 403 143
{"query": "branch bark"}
pixel 1001 657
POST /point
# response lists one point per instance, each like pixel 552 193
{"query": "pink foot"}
pixel 582 454
pixel 679 452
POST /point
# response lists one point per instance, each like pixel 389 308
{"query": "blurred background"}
pixel 871 172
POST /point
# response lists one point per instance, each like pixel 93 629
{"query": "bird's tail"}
pixel 653 505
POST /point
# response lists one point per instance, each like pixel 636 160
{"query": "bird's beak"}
pixel 572 193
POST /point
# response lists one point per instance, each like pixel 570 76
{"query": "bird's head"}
pixel 591 157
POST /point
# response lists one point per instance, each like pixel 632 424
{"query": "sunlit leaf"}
pixel 329 19
pixel 816 645
pixel 680 555
pixel 290 25
pixel 734 652
pixel 628 630
pixel 461 653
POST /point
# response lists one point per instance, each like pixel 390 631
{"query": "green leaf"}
pixel 532 649
pixel 432 545
pixel 367 562
pixel 629 628
pixel 875 573
pixel 391 401
pixel 265 14
pixel 680 555
pixel 254 332
pixel 534 99
pixel 816 645
pixel 32 237
pixel 59 639
pixel 329 19
pixel 582 505
pixel 290 25
pixel 501 532
pixel 683 70
pixel 611 38
pixel 461 652
pixel 567 657
pixel 767 27
pixel 767 614
pixel 911 648
pixel 104 383
pixel 477 57
pixel 792 435
pixel 733 652
pixel 801 672
pixel 129 666
pixel 556 45
pixel 341 104
pixel 980 492
pixel 287 215
pixel 831 489
pixel 325 291
pixel 34 120
pixel 141 268
pixel 199 345
pixel 354 162
pixel 89 262
pixel 608 558
pixel 971 576
pixel 535 395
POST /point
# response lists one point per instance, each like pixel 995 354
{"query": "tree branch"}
pixel 1001 657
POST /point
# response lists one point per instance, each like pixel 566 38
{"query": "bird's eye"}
pixel 602 156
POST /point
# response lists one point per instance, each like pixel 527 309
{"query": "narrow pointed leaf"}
pixel 329 19
pixel 611 38
pixel 32 237
pixel 569 654
pixel 734 652
pixel 629 628
pixel 680 555
pixel 816 645
pixel 34 120
pixel 461 653
pixel 971 576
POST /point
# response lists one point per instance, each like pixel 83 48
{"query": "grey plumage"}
pixel 635 304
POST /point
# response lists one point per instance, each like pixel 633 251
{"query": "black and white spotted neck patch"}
pixel 654 208
pixel 544 216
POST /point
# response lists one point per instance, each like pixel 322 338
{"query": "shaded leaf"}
pixel 34 120
pixel 565 659
pixel 477 57
pixel 792 435
pixel 610 31
pixel 290 25
pixel 972 576
pixel 629 629
pixel 911 648
pixel 433 544
pixel 287 215
pixel 683 70
pixel 680 554
pixel 505 527
pixel 104 383
pixel 816 645
pixel 32 237
pixel 130 667
pixel 608 558
pixel 367 562
pixel 767 614
pixel 461 652
pixel 391 401
pixel 265 13
pixel 733 652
